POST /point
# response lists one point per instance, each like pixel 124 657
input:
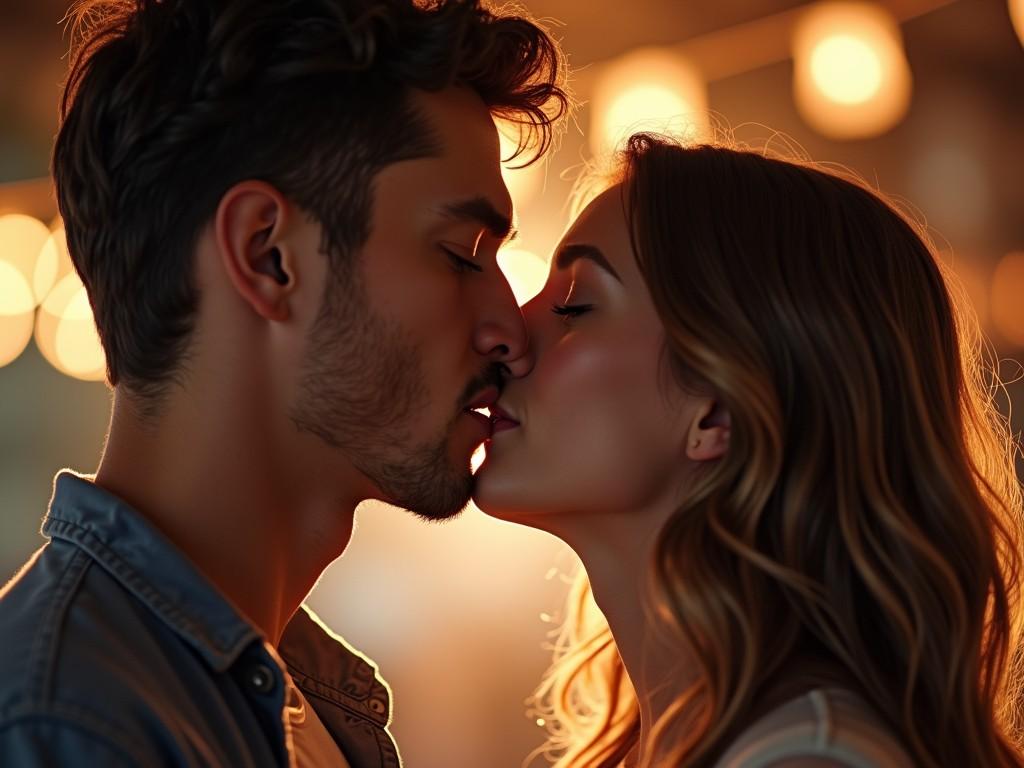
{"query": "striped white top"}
pixel 824 727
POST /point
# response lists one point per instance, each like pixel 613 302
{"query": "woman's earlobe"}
pixel 712 445
pixel 708 436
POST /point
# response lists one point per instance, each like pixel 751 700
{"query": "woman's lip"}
pixel 497 414
pixel 500 425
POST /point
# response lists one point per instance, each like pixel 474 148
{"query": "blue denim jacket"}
pixel 116 651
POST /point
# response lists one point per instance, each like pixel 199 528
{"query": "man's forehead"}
pixel 455 108
pixel 434 190
pixel 462 179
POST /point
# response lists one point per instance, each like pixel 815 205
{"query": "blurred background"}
pixel 924 98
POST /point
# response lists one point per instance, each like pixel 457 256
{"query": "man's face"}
pixel 412 334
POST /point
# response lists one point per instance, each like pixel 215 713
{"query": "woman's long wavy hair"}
pixel 867 507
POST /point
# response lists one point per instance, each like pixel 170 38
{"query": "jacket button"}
pixel 378 706
pixel 260 678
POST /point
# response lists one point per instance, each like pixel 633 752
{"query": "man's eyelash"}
pixel 571 310
pixel 461 264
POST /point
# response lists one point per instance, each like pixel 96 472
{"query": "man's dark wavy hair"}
pixel 171 102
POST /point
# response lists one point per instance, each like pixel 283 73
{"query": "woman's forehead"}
pixel 603 223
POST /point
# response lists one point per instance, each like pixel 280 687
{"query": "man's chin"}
pixel 429 482
pixel 440 501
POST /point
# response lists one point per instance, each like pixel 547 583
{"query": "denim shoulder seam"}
pixel 77 719
pixel 169 611
pixel 352 704
pixel 43 657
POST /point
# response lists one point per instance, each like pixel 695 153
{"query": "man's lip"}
pixel 485 399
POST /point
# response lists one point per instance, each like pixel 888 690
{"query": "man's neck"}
pixel 259 528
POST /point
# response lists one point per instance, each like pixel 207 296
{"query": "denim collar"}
pixel 146 563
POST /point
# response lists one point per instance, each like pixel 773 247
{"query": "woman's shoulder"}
pixel 822 727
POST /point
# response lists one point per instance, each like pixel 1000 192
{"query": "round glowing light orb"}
pixel 66 333
pixel 851 76
pixel 1005 307
pixel 21 239
pixel 649 89
pixel 846 69
pixel 1017 17
pixel 15 292
pixel 525 271
pixel 17 313
pixel 53 265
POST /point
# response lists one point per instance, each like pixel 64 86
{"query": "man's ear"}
pixel 708 436
pixel 248 226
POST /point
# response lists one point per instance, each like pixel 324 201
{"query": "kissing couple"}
pixel 749 396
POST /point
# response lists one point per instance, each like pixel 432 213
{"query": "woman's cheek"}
pixel 591 403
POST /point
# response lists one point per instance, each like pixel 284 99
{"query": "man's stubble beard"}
pixel 361 387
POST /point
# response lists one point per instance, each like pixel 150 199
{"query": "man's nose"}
pixel 502 338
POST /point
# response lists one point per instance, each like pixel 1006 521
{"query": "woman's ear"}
pixel 249 223
pixel 708 436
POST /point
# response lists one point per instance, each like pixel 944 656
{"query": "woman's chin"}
pixel 495 493
pixel 484 496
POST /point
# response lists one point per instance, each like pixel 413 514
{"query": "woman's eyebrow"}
pixel 568 254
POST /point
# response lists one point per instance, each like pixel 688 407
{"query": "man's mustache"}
pixel 493 376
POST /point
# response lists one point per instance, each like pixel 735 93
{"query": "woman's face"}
pixel 601 425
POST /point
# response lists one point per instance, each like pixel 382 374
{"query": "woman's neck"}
pixel 660 666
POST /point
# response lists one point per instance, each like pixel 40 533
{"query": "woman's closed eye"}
pixel 571 310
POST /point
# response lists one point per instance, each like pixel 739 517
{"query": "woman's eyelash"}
pixel 571 310
pixel 461 264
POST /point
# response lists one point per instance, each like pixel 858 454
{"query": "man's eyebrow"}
pixel 480 210
pixel 570 253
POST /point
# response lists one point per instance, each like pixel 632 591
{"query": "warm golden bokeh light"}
pixel 522 183
pixel 846 69
pixel 17 313
pixel 525 271
pixel 1006 305
pixel 21 239
pixel 1017 17
pixel 648 89
pixel 66 333
pixel 53 265
pixel 15 293
pixel 851 76
pixel 78 345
